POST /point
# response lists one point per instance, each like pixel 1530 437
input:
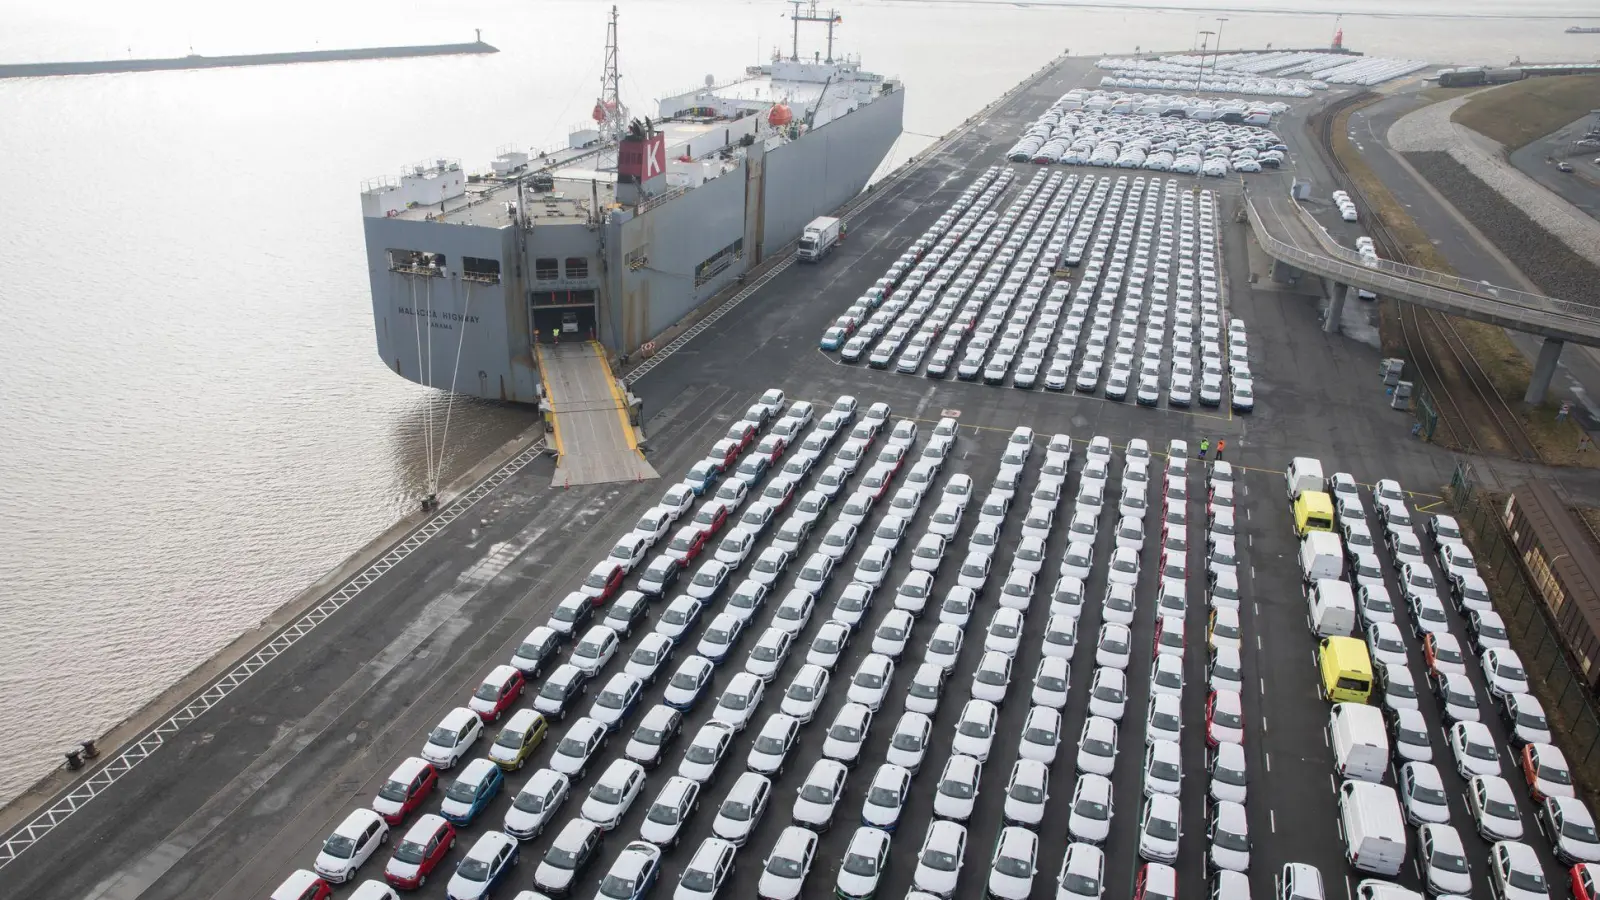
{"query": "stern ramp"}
pixel 587 413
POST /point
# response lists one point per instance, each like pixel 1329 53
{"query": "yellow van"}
pixel 1346 670
pixel 1313 511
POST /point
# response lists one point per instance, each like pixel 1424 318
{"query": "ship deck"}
pixel 234 800
pixel 595 443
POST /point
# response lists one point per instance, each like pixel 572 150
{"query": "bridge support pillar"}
pixel 1544 368
pixel 1336 300
pixel 1283 273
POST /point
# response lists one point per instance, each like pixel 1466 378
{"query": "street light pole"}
pixel 1218 57
pixel 1205 41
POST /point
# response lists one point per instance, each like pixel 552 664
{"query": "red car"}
pixel 407 787
pixel 1543 764
pixel 725 454
pixel 302 885
pixel 892 455
pixel 1156 881
pixel 743 431
pixel 774 446
pixel 1585 881
pixel 710 517
pixel 687 543
pixel 603 581
pixel 420 852
pixel 501 689
pixel 779 493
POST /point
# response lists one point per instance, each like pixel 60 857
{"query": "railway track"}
pixel 1417 323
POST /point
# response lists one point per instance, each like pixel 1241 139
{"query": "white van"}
pixel 1321 556
pixel 1374 829
pixel 1331 608
pixel 1360 743
pixel 1304 474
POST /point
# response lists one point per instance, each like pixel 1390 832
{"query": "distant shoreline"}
pixel 196 61
pixel 1112 6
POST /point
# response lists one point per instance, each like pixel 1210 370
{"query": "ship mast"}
pixel 610 116
pixel 831 18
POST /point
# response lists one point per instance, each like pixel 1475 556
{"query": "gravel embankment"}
pixel 1549 262
pixel 1432 129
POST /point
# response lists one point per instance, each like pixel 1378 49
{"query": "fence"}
pixel 1574 720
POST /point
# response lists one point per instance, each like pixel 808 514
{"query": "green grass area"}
pixel 1524 111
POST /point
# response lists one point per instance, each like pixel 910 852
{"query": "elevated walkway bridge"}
pixel 1289 234
pixel 590 416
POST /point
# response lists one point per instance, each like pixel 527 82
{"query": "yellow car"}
pixel 522 735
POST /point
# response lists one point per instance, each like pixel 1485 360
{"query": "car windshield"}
pixel 865 866
pixel 589 649
pixel 1448 862
pixel 767 564
pixel 1500 809
pixel 1027 793
pixel 1482 751
pixel 784 867
pixel 572 746
pixel 737 810
pixel 717 636
pixel 1578 831
pixel 770 744
pixel 566 613
pixel 705 578
pixel 1162 829
pixel 889 632
pixel 1012 867
pixel 411 852
pixel 611 700
pixel 511 737
pixel 1227 840
pixel 1447 654
pixel 606 793
pixel 338 846
pixel 473 869
pixel 1532 720
pixel 1080 885
pixel 1226 718
pixel 1527 880
pixel 905 740
pixel 812 792
pixel 444 737
pixel 561 858
pixel 645 655
pixel 617 888
pixel 552 690
pixel 397 791
pixel 529 802
pixel 1413 736
pixel 1004 629
pixel 867 679
pixel 698 881
pixel 978 728
pixel 824 644
pixel 791 611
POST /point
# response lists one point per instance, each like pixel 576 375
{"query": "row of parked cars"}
pixel 1435 571
pixel 977 297
pixel 418 779
pixel 1159 144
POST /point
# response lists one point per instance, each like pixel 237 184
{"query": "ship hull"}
pixel 648 265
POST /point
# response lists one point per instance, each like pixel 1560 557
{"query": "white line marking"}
pixel 1272 820
pixel 1268 758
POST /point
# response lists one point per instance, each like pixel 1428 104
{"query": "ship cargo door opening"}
pixel 564 314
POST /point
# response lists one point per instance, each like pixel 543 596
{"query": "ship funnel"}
pixel 711 81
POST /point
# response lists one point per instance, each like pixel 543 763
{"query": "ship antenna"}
pixel 831 18
pixel 611 115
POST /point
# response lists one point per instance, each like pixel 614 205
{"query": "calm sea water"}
pixel 193 421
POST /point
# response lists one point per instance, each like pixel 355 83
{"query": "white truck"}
pixel 1360 743
pixel 1374 828
pixel 1331 608
pixel 1304 474
pixel 1321 556
pixel 819 238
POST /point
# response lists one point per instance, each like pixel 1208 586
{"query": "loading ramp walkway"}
pixel 587 412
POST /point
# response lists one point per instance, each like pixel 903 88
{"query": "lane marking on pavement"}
pixel 1272 820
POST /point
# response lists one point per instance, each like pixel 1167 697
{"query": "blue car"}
pixel 689 683
pixel 702 475
pixel 833 338
pixel 753 467
pixel 485 866
pixel 633 874
pixel 472 790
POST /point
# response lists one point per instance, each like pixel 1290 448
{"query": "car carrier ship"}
pixel 611 239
